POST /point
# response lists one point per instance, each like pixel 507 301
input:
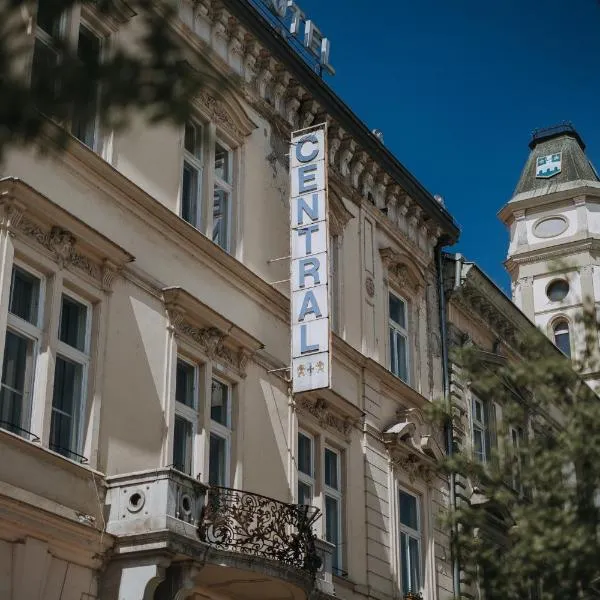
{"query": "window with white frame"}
pixel 70 376
pixel 71 29
pixel 222 195
pixel 220 180
pixel 220 433
pixel 191 186
pixel 399 341
pixel 322 488
pixel 480 416
pixel 562 336
pixel 306 469
pixel 21 345
pixel 186 416
pixel 411 559
pixel 333 503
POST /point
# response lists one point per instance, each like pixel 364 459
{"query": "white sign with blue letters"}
pixel 309 261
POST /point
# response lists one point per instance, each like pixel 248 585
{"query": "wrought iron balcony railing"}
pixel 257 525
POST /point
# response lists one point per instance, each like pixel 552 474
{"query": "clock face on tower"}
pixel 548 166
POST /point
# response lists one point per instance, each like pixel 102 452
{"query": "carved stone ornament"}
pixel 219 115
pixel 211 342
pixel 62 244
pixel 404 273
pixel 413 445
pixel 321 411
pixel 370 287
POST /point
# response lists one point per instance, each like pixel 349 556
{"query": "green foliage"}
pixel 527 524
pixel 150 75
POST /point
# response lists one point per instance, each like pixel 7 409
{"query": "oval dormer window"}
pixel 550 227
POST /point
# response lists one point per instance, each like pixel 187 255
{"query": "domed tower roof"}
pixel 557 156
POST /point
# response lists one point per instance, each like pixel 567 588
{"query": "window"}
pixel 70 377
pixel 191 192
pixel 410 543
pixel 20 349
pixel 186 416
pixel 220 179
pixel 55 29
pixel 557 290
pixel 398 325
pixel 306 472
pixel 334 278
pixel 562 336
pixel 333 504
pixel 481 430
pixel 325 485
pixel 222 196
pixel 516 442
pixel 220 433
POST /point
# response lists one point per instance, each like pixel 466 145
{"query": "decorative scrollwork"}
pixel 260 526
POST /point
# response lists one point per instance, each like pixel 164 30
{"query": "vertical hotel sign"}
pixel 309 261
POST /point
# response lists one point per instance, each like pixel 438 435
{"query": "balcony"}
pixel 255 546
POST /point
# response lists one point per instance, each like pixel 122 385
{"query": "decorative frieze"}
pixel 11 213
pixel 320 410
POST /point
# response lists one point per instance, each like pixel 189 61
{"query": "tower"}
pixel 554 252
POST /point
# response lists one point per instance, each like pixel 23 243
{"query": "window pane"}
pixel 86 107
pixel 408 511
pixel 17 350
pixel 332 526
pixel 185 383
pixel 331 469
pixel 217 460
pixel 24 295
pixel 411 564
pixel 219 402
pixel 66 401
pixel 193 139
pixel 304 493
pixel 305 455
pixel 479 444
pixel 393 352
pixel 182 445
pixel 220 220
pixel 43 75
pixel 562 339
pixel 222 166
pixel 189 195
pixel 397 311
pixel 73 316
pixel 402 358
pixel 48 17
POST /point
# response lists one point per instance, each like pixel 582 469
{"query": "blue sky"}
pixel 457 88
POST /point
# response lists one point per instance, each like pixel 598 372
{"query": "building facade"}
pixel 552 256
pixel 151 445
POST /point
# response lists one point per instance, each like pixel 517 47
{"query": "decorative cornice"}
pixel 322 411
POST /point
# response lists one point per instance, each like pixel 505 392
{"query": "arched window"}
pixel 562 336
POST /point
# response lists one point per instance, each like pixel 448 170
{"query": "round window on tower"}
pixel 549 227
pixel 557 290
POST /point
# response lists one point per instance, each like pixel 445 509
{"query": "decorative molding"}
pixel 323 413
pixel 401 270
pixel 61 243
pixel 370 286
pixel 11 213
pixel 221 117
pixel 339 216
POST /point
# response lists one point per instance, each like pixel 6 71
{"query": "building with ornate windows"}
pixel 151 448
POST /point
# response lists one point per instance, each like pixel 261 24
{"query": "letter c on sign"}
pixel 304 158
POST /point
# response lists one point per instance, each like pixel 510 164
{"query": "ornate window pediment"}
pixel 218 338
pixel 327 416
pixel 413 445
pixel 402 270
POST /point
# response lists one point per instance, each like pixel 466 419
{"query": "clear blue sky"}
pixel 457 88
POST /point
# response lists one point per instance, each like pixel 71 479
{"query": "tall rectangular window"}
pixel 85 111
pixel 70 378
pixel 481 430
pixel 222 195
pixel 410 542
pixel 186 416
pixel 191 186
pixel 333 504
pixel 306 470
pixel 220 433
pixel 21 343
pixel 399 343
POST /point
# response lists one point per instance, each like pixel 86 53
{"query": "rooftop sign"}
pixel 300 31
